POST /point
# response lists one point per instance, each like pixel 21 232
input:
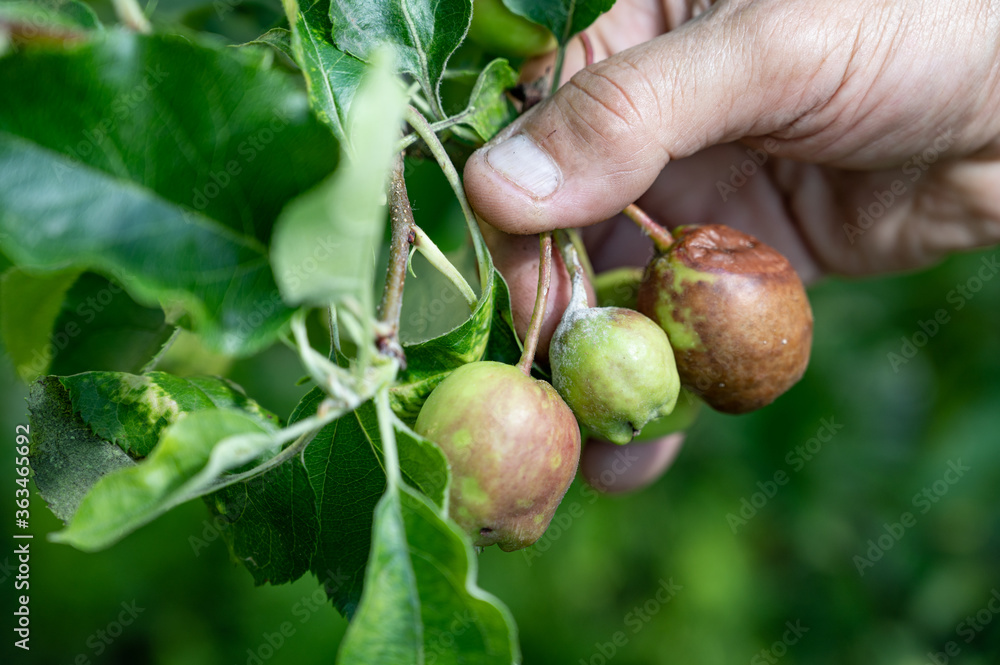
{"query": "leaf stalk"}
pixel 424 130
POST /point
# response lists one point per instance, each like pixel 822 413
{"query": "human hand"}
pixel 855 137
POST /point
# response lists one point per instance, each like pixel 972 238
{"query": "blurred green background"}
pixel 785 587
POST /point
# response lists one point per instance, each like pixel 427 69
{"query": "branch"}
pixel 401 220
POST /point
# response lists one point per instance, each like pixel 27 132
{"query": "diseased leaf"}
pixel 347 476
pixel 565 18
pixel 422 33
pixel 270 523
pixel 67 458
pixel 124 500
pixel 161 162
pixel 131 411
pixel 88 425
pixel 29 306
pixel 326 241
pixel 420 579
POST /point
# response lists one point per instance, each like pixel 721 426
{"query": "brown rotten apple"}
pixel 736 314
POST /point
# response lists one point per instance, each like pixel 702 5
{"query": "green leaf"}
pixel 489 110
pixel 422 33
pixel 347 475
pixel 162 162
pixel 332 76
pixel 124 500
pixel 101 328
pixel 29 306
pixel 565 18
pixel 280 39
pixel 269 523
pixel 421 603
pixel 504 345
pixel 88 425
pixel 326 241
pixel 315 513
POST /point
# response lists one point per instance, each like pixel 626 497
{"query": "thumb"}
pixel 600 141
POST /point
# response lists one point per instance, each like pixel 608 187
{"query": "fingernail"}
pixel 522 162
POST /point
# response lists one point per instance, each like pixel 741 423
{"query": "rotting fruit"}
pixel 499 30
pixel 615 369
pixel 736 313
pixel 513 446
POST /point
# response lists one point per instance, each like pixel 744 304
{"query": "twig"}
pixel 401 220
pixel 659 235
pixel 541 298
pixel 581 251
pixel 438 126
pixel 155 360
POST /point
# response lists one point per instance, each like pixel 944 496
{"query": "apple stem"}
pixel 571 258
pixel 659 235
pixel 401 220
pixel 541 299
pixel 588 49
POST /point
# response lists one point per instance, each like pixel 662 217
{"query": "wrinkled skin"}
pixel 736 314
pixel 847 93
pixel 513 446
pixel 615 369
